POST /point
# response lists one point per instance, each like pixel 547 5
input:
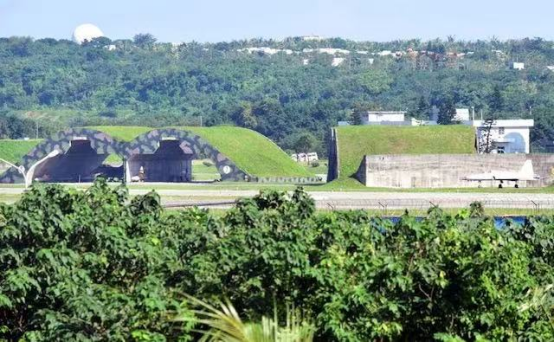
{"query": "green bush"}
pixel 84 266
pixel 97 266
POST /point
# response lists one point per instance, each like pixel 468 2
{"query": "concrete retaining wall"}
pixel 333 157
pixel 448 171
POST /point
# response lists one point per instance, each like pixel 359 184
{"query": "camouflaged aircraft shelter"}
pixel 160 155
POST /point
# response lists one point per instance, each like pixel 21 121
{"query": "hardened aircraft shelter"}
pixel 155 155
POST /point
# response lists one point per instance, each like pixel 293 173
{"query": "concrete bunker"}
pixel 166 155
pixel 80 163
pixel 72 155
pixel 81 155
pixel 170 162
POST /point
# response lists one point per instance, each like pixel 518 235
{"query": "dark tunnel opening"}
pixel 169 163
pixel 81 163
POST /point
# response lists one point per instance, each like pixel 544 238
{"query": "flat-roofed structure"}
pixel 503 136
pixel 383 118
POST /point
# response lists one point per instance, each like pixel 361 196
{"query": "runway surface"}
pixel 368 200
pixel 330 200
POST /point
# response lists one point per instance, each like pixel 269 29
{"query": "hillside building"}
pixel 304 157
pixel 337 61
pixel 312 38
pixel 503 136
pixel 383 118
pixel 462 114
pixel 518 66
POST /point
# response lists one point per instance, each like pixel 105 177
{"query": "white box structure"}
pixel 462 114
pixel 382 118
pixel 504 136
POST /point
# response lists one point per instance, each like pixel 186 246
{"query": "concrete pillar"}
pixel 126 171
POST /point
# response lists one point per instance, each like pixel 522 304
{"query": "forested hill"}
pixel 279 88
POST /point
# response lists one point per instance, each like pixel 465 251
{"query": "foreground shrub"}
pixel 83 266
pixel 97 266
pixel 418 278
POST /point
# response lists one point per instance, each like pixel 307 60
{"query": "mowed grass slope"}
pixel 14 150
pixel 251 151
pixel 357 141
pixel 122 133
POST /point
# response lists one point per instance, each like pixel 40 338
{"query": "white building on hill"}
pixel 383 118
pixel 503 136
pixel 518 66
pixel 337 61
pixel 312 38
pixel 462 114
pixel 304 157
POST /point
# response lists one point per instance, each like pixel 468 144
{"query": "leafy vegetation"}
pixel 95 266
pixel 148 83
pixel 225 325
pixel 14 150
pixel 16 127
pixel 357 141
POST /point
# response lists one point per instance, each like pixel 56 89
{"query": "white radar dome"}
pixel 86 32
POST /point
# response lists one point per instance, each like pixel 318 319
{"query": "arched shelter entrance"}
pixel 165 155
pixel 72 155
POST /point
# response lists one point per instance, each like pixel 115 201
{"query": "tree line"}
pixel 142 81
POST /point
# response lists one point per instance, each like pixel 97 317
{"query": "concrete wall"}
pixel 333 157
pixel 445 171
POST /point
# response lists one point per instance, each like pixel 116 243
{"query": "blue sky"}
pixel 220 20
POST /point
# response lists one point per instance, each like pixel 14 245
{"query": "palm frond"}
pixel 225 325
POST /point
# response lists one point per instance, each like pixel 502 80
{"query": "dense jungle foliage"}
pixel 141 81
pixel 96 265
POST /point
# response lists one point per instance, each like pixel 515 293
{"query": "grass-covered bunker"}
pixel 152 155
